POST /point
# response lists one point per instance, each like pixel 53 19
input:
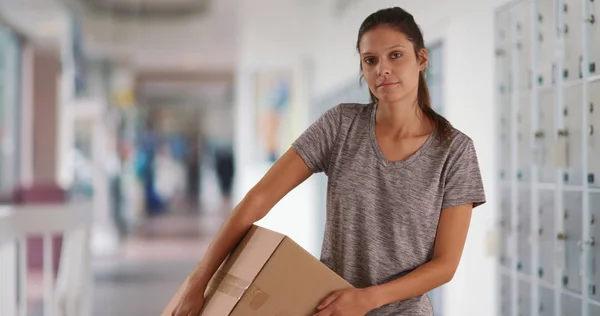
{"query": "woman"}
pixel 402 185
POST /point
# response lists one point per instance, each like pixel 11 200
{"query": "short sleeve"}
pixel 463 182
pixel 316 143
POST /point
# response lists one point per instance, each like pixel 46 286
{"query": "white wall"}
pixel 467 30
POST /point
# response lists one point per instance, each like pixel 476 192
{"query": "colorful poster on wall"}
pixel 274 95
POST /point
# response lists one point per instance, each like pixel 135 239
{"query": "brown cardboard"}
pixel 267 274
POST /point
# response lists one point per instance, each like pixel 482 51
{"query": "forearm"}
pixel 420 281
pixel 228 236
pixel 255 205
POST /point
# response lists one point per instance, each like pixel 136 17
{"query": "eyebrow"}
pixel 369 53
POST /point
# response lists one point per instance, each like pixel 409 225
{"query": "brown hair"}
pixel 404 22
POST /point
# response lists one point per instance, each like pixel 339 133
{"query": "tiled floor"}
pixel 150 269
pixel 137 288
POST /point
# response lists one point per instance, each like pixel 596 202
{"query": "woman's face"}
pixel 389 64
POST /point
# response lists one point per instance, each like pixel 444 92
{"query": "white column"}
pixel 105 236
pixel 65 137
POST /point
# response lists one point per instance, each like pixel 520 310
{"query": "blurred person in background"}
pixel 224 166
pixel 144 166
pixel 402 185
pixel 114 170
pixel 193 172
pixel 170 177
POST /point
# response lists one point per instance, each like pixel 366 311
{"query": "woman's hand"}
pixel 350 302
pixel 190 303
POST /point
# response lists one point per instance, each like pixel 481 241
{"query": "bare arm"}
pixel 451 235
pixel 287 173
pixel 450 240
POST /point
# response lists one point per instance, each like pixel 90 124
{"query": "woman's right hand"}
pixel 190 303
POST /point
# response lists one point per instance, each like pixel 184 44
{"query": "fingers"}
pixel 328 300
pixel 184 312
pixel 326 312
pixel 176 312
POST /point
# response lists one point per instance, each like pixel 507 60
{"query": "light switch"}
pixel 492 244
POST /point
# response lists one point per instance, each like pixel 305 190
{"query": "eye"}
pixel 396 55
pixel 369 60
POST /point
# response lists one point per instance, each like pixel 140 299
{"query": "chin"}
pixel 389 97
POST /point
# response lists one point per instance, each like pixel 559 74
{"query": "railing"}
pixel 67 294
pixel 8 267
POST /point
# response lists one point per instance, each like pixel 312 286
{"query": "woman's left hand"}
pixel 350 302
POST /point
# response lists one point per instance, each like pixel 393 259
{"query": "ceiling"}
pixel 142 33
pixel 41 20
pixel 147 8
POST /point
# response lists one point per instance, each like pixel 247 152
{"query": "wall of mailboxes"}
pixel 548 106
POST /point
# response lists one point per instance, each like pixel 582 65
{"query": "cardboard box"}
pixel 267 274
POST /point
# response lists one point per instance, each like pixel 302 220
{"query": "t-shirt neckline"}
pixel 379 152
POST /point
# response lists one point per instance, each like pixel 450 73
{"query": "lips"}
pixel 386 84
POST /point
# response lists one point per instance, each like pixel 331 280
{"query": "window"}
pixel 434 76
pixel 435 82
pixel 9 98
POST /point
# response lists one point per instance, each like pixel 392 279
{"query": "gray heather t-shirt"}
pixel 382 216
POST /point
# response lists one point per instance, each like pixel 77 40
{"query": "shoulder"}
pixel 344 113
pixel 459 141
pixel 461 148
pixel 453 148
pixel 351 111
pixel 355 108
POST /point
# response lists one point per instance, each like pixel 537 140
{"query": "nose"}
pixel 383 68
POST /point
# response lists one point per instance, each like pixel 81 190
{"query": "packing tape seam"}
pixel 238 288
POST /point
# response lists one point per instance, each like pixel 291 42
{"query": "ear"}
pixel 423 59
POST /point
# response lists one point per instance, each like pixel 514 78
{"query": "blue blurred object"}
pixel 178 147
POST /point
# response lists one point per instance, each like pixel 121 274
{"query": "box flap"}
pixel 292 282
pixel 240 269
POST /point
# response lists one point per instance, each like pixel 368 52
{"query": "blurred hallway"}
pixel 151 266
pixel 125 124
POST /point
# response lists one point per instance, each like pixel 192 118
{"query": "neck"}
pixel 403 117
